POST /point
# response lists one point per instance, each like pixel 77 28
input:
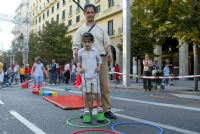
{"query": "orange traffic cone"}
pixel 78 81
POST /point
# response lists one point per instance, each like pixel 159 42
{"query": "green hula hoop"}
pixel 79 126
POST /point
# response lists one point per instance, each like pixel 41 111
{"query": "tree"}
pixel 141 40
pixel 177 19
pixel 54 42
pixel 34 47
pixel 51 43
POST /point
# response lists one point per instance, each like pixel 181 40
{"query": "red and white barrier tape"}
pixel 159 77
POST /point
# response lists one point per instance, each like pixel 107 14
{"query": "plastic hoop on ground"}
pixel 82 126
pixel 95 130
pixel 127 123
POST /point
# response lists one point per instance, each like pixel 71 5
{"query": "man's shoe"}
pixel 110 115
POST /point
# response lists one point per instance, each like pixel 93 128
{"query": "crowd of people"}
pixel 151 68
pixel 53 73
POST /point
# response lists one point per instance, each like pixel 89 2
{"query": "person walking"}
pixel 148 65
pixel 53 73
pixel 102 45
pixel 117 75
pixel 166 74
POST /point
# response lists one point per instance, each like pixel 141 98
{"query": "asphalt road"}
pixel 21 112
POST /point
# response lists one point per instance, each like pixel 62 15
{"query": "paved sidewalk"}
pixel 175 85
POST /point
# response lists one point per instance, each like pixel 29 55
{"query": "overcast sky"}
pixel 7 7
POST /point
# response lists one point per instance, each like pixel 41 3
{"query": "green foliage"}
pixel 140 35
pixel 155 20
pixel 51 43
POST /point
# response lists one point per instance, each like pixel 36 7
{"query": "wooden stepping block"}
pixel 36 92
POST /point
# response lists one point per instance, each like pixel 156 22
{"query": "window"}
pixel 69 22
pixel 52 19
pixel 47 13
pixel 52 9
pixel 40 19
pixel 36 21
pixel 70 10
pixel 87 1
pixel 78 8
pixel 58 5
pixel 110 27
pixel 98 9
pixel 57 17
pixel 63 14
pixel 64 2
pixel 43 16
pixel 77 18
pixel 110 3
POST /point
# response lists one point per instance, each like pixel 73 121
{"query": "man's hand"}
pixel 109 57
pixel 75 55
pixel 98 69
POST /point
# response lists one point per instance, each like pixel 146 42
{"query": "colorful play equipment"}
pixel 36 92
pixel 87 118
pixel 78 81
pixel 44 93
pixel 67 89
pixel 68 102
pixel 68 122
pixel 25 84
pixel 135 123
pixel 95 130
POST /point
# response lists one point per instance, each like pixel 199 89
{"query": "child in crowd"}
pixel 37 72
pixel 22 73
pixel 89 62
pixel 166 73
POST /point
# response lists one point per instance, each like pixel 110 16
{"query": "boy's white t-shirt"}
pixel 89 61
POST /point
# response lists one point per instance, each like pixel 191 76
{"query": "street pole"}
pixel 126 41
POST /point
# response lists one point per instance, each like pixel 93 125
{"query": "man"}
pixel 101 44
pixel 53 74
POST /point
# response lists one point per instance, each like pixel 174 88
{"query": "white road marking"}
pixel 1 102
pixel 27 123
pixel 143 102
pixel 158 124
pixel 158 104
pixel 187 96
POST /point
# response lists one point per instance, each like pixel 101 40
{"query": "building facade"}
pixel 109 14
pixel 20 43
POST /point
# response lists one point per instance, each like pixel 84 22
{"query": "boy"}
pixel 166 73
pixel 89 62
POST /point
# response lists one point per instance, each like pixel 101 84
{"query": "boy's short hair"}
pixel 88 36
pixel 89 5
